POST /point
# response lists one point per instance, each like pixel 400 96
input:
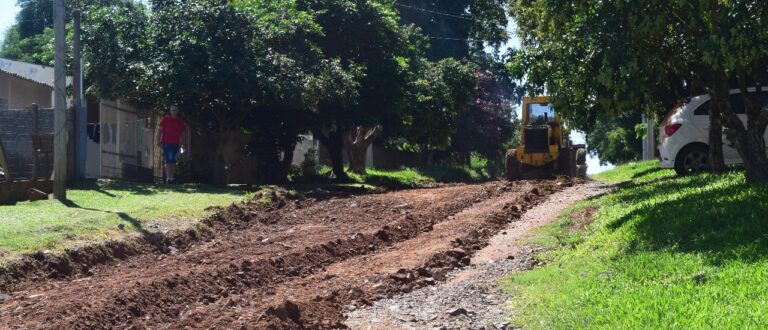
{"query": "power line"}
pixel 436 12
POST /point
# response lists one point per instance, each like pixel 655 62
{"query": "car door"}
pixel 700 120
pixel 729 150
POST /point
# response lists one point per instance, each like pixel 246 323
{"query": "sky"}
pixel 8 12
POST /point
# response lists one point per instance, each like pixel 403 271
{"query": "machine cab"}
pixel 543 134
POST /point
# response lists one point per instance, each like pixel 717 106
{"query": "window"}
pixel 541 113
pixel 736 101
pixel 702 110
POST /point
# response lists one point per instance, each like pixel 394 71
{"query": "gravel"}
pixel 470 297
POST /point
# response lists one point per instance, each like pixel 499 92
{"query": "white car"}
pixel 684 134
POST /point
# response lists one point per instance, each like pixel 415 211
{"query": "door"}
pixel 700 120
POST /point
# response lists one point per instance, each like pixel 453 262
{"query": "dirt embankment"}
pixel 293 264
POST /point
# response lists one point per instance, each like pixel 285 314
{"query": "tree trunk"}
pixel 750 141
pixel 751 147
pixel 285 166
pixel 333 143
pixel 717 107
pixel 357 142
pixel 218 160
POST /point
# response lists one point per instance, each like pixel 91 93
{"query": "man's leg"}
pixel 172 171
pixel 168 172
pixel 171 157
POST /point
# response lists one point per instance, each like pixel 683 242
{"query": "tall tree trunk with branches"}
pixel 357 142
pixel 719 105
pixel 333 142
pixel 750 140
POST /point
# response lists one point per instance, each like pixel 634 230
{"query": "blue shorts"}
pixel 171 152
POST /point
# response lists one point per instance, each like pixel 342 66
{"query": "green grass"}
pixel 95 210
pixel 662 252
pixel 634 171
pixel 415 177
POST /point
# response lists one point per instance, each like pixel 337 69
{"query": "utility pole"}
pixel 61 133
pixel 651 139
pixel 649 145
pixel 81 115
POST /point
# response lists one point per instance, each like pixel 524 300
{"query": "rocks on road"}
pixel 470 297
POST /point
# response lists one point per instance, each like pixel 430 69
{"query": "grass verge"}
pixel 660 252
pixel 416 177
pixel 104 210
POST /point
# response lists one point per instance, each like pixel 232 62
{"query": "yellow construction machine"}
pixel 546 148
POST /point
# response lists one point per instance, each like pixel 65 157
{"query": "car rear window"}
pixel 737 104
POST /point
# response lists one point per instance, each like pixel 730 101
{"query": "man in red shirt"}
pixel 171 137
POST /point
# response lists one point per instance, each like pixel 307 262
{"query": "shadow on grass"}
pixel 151 237
pixel 147 189
pixel 715 215
pixel 648 172
pixel 449 174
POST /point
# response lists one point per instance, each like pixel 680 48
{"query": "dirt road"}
pixel 296 263
pixel 471 298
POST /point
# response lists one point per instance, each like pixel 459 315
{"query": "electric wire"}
pixel 434 12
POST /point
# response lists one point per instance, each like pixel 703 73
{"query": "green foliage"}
pixel 310 158
pixel 95 210
pixel 438 96
pixel 373 49
pixel 614 139
pixel 36 49
pixel 31 38
pixel 116 50
pixel 34 17
pixel 661 253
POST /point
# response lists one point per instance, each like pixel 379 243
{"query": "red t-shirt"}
pixel 172 130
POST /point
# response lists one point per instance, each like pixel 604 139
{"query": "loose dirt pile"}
pixel 291 264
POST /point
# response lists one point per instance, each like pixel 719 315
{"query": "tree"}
pixel 30 39
pixel 219 61
pixel 438 97
pixel 608 57
pixel 487 126
pixel 36 49
pixel 614 139
pixel 462 30
pixel 367 40
pixel 116 51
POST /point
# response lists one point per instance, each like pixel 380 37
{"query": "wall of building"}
pixel 17 93
pixel 16 129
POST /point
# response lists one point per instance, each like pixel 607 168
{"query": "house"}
pixel 22 84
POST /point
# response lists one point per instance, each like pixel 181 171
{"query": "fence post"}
pixel 35 142
pixel 36 112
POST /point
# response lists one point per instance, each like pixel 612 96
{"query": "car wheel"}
pixel 692 159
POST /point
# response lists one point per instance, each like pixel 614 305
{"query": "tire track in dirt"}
pixel 153 290
pixel 321 300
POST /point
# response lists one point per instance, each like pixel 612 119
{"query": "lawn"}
pixel 104 210
pixel 416 177
pixel 662 252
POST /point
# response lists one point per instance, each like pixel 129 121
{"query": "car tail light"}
pixel 669 130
